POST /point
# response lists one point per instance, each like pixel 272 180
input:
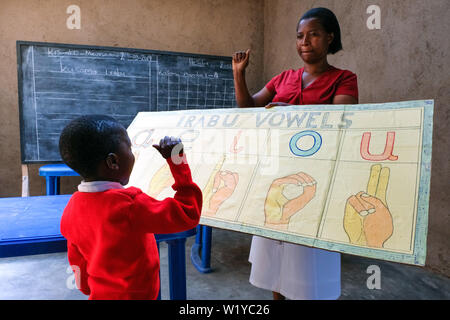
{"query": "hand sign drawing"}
pixel 161 180
pixel 278 208
pixel 220 187
pixel 223 187
pixel 367 219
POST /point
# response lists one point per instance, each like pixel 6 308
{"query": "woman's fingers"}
pixel 241 56
pixel 276 104
pixel 247 54
pixel 237 56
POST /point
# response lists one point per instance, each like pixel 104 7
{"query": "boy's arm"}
pixel 79 267
pixel 180 213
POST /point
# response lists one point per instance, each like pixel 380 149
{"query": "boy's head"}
pixel 98 148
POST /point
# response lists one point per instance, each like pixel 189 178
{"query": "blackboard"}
pixel 59 82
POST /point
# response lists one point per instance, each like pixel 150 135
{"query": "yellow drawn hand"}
pixel 161 180
pixel 277 208
pixel 367 219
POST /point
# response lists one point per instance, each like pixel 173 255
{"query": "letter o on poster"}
pixel 305 153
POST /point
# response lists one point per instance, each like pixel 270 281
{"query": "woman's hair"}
pixel 87 140
pixel 329 22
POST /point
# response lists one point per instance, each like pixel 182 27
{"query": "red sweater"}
pixel 287 87
pixel 110 241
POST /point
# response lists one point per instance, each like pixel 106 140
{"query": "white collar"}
pixel 98 186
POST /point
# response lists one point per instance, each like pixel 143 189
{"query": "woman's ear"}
pixel 112 161
pixel 330 38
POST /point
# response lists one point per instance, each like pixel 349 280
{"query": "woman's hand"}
pixel 243 98
pixel 276 104
pixel 240 61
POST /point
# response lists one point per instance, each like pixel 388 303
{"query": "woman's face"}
pixel 312 40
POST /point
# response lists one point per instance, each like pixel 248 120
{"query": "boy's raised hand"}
pixel 169 146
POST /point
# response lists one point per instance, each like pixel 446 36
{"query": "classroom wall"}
pixel 216 27
pixel 406 59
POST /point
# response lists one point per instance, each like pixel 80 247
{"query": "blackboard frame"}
pixel 20 44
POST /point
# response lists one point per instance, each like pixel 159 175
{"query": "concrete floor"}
pixel 46 276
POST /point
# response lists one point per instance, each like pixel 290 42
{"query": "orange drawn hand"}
pixel 161 180
pixel 367 219
pixel 225 183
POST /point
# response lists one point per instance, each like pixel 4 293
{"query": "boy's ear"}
pixel 112 161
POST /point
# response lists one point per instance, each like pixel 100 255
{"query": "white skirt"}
pixel 295 271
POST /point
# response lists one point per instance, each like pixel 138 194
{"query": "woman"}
pixel 289 270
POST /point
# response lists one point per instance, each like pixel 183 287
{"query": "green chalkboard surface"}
pixel 59 82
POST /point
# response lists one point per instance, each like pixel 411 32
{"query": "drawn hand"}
pixel 367 219
pixel 278 208
pixel 161 180
pixel 224 184
pixel 240 60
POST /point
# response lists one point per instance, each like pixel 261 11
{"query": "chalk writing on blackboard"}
pixel 59 82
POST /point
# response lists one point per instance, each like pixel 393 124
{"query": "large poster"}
pixel 347 178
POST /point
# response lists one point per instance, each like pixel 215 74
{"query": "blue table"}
pixel 52 172
pixel 177 262
pixel 30 225
pixel 200 251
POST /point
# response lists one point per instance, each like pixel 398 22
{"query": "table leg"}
pixel 177 269
pixel 50 185
pixel 198 236
pixel 206 246
pixel 159 293
pixel 57 188
pixel 201 250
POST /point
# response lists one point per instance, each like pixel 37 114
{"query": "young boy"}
pixel 109 228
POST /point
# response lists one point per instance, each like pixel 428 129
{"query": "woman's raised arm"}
pixel 243 97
